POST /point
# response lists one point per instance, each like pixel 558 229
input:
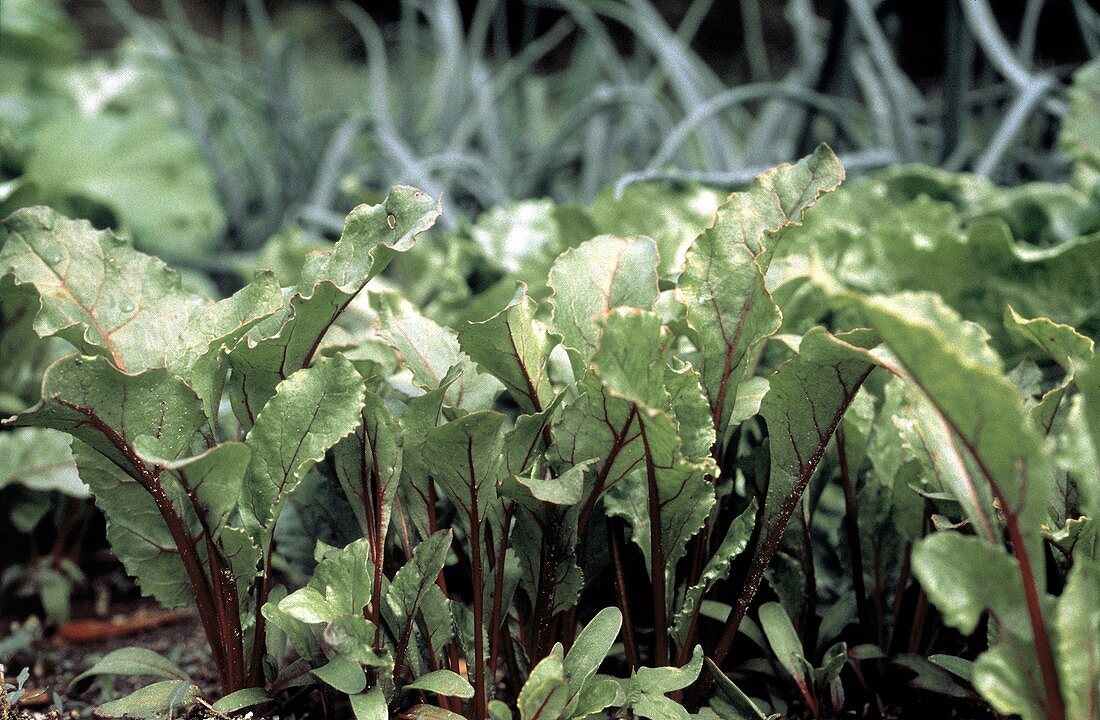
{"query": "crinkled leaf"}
pixel 722 286
pixel 329 282
pixel 430 350
pixel 717 569
pixel 96 291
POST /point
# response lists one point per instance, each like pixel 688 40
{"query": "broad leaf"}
pixel 598 276
pixel 722 286
pixel 515 348
pixel 310 412
pixel 97 292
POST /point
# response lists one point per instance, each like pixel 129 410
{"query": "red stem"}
pixel 481 706
pixel 615 542
pixel 657 559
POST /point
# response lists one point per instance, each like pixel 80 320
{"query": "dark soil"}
pixel 54 662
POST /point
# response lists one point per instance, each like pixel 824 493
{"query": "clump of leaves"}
pixel 195 421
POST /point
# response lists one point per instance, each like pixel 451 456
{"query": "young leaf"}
pixel 132 662
pixel 717 569
pixel 248 697
pixel 442 682
pixel 740 701
pixel 465 460
pixel 430 350
pixel 198 356
pixel 407 591
pixel 785 644
pixel 591 646
pixel 546 692
pixel 368 464
pixel 154 700
pixel 370 705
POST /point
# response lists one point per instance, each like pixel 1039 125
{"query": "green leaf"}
pixel 954 367
pixel 311 410
pixel 430 350
pixel 808 396
pixel 669 493
pixel 342 674
pixel 213 479
pixel 722 286
pixel 39 459
pixel 133 661
pixel 672 214
pixel 431 712
pixel 717 569
pixel 248 697
pixel 591 646
pixel 465 458
pixel 957 666
pixel 107 410
pixel 443 682
pixel 344 576
pixel 308 605
pixel 964 576
pixel 546 692
pixel 1062 344
pixel 370 706
pixel 785 643
pixel 329 282
pixel 1078 624
pixel 97 292
pixel 156 700
pixel 199 358
pixel 368 464
pixel 412 583
pixel 662 680
pixel 1088 381
pixel 515 348
pixel 588 281
pixel 596 697
pixel 740 701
